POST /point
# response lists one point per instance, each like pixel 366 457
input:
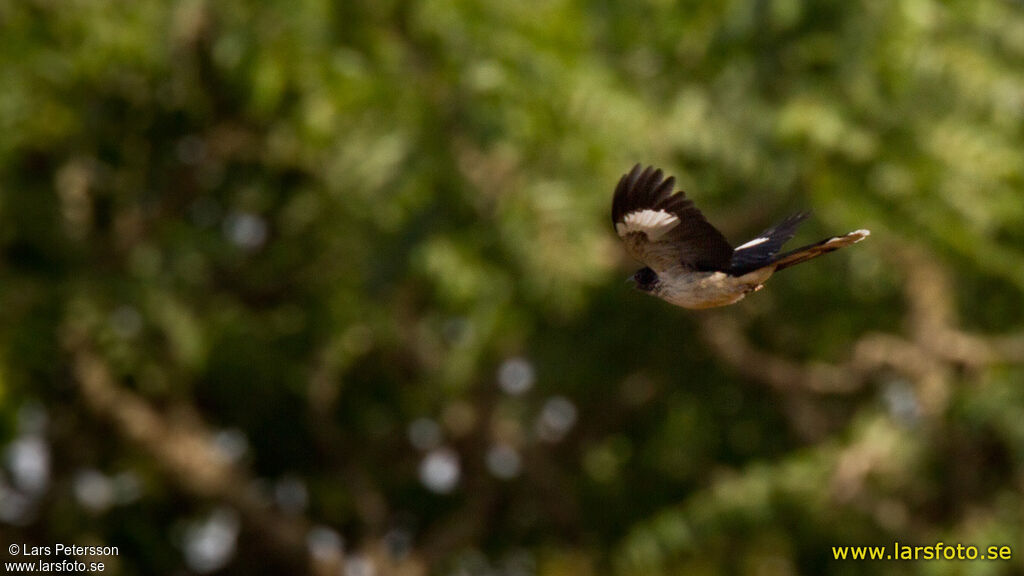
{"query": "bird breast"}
pixel 697 290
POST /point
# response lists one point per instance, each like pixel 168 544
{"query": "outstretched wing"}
pixel 662 229
pixel 761 251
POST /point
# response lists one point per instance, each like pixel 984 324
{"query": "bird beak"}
pixel 629 279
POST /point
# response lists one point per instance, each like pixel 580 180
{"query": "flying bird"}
pixel 687 261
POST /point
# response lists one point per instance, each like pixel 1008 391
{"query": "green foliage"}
pixel 349 244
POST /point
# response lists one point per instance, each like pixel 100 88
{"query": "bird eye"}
pixel 645 277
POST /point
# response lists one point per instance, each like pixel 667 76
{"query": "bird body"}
pixel 688 262
pixel 698 290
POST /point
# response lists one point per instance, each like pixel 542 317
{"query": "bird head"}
pixel 646 279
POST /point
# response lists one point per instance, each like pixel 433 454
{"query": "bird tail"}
pixel 806 253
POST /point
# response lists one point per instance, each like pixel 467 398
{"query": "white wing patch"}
pixel 653 223
pixel 752 243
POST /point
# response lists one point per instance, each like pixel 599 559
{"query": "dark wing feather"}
pixel 692 242
pixel 636 191
pixel 761 251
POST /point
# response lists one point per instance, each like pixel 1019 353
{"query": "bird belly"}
pixel 698 290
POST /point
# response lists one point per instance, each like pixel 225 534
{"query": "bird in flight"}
pixel 687 261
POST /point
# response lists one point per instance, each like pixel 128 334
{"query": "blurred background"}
pixel 331 287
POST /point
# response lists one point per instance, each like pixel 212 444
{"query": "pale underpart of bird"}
pixel 688 262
